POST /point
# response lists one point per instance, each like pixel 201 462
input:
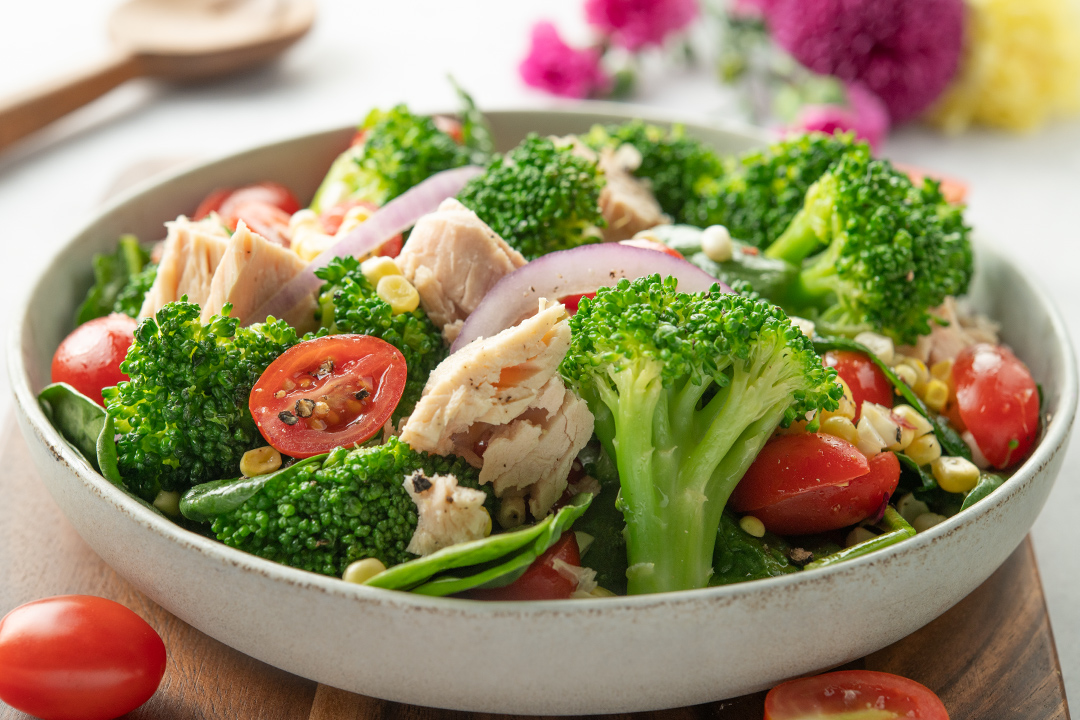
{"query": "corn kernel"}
pixel 942 371
pixel 716 243
pixel 309 243
pixel 926 521
pixel 842 428
pixel 752 526
pixel 924 450
pixel 907 374
pixel 376 268
pixel 260 461
pixel 936 395
pixel 599 592
pixel 922 375
pixel 955 474
pixel 869 442
pixel 361 571
pixel 857 535
pixel 511 512
pixel 910 507
pixel 399 293
pixel 880 345
pixel 304 219
pixel 893 434
pixel 168 502
pixel 355 215
pixel 845 408
pixel 913 418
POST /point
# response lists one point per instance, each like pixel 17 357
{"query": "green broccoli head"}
pixel 892 250
pixel 685 390
pixel 351 506
pixel 764 189
pixel 183 418
pixel 682 172
pixel 540 197
pixel 398 150
pixel 348 304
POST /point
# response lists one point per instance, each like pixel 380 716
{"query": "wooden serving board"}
pixel 992 656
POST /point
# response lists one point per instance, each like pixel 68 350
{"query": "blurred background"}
pixel 984 91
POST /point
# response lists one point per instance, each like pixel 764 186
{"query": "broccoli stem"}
pixel 810 228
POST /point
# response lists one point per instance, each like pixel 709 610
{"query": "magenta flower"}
pixel 904 51
pixel 865 115
pixel 633 24
pixel 559 69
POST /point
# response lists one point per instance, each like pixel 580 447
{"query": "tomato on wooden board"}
pixel 542 581
pixel 853 695
pixel 998 401
pixel 326 393
pixel 862 376
pixel 652 245
pixel 89 358
pixel 811 482
pixel 78 657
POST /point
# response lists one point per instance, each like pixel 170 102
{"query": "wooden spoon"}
pixel 176 40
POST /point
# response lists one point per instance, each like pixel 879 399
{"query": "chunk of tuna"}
pixel 447 513
pixel 189 258
pixel 453 259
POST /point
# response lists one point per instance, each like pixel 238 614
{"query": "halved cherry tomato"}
pixel 212 202
pixel 89 358
pixel 853 694
pixel 541 581
pixel 78 657
pixel 326 393
pixel 998 401
pixel 262 218
pixel 954 189
pixel 332 217
pixel 811 482
pixel 450 126
pixel 652 245
pixel 224 201
pixel 862 376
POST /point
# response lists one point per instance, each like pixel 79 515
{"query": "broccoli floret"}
pixel 891 250
pixel 540 197
pixel 348 304
pixel 183 417
pixel 396 150
pixel 682 172
pixel 686 389
pixel 764 189
pixel 352 506
pixel 118 279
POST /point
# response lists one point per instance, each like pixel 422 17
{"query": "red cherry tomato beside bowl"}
pixel 78 657
pixel 326 393
pixel 998 401
pixel 89 358
pixel 811 483
pixel 863 378
pixel 853 694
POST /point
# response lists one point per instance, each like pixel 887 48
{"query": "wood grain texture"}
pixel 990 657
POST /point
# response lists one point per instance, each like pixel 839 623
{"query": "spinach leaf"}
pixel 202 503
pixel 112 272
pixel 951 442
pixel 494 561
pixel 988 483
pixel 739 556
pixel 78 418
pixel 926 480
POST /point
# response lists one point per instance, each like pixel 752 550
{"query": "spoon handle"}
pixel 22 114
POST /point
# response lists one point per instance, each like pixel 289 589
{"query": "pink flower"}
pixel 904 51
pixel 559 69
pixel 633 24
pixel 865 115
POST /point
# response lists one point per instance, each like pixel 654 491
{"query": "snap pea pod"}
pixel 204 502
pixel 951 442
pixel 494 561
pixel 897 529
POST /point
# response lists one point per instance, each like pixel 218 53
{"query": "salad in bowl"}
pixel 673 390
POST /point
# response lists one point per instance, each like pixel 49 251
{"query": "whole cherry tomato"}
pixel 78 657
pixel 542 581
pixel 998 401
pixel 326 393
pixel 853 694
pixel 89 358
pixel 811 483
pixel 862 376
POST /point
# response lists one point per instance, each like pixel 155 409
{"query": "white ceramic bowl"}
pixel 568 657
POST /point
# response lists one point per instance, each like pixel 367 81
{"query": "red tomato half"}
pixel 212 202
pixel 78 657
pixel 224 201
pixel 811 483
pixel 954 189
pixel 450 126
pixel 850 694
pixel 862 376
pixel 326 393
pixel 332 217
pixel 652 245
pixel 262 218
pixel 89 358
pixel 998 401
pixel 541 581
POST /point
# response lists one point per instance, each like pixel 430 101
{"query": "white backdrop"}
pixel 1025 189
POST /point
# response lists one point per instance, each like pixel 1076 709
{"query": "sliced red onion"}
pixel 571 272
pixel 395 217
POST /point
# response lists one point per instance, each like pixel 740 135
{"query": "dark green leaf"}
pixel 204 502
pixel 896 529
pixel 112 273
pixel 78 418
pixel 988 483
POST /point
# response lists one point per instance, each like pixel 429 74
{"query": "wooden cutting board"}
pixel 992 656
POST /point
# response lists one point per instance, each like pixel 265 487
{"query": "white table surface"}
pixel 1025 189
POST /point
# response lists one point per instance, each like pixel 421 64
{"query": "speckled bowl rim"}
pixel 1053 440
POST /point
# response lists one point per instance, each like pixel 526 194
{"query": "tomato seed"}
pixel 287 417
pixel 362 395
pixel 304 407
pixel 316 424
